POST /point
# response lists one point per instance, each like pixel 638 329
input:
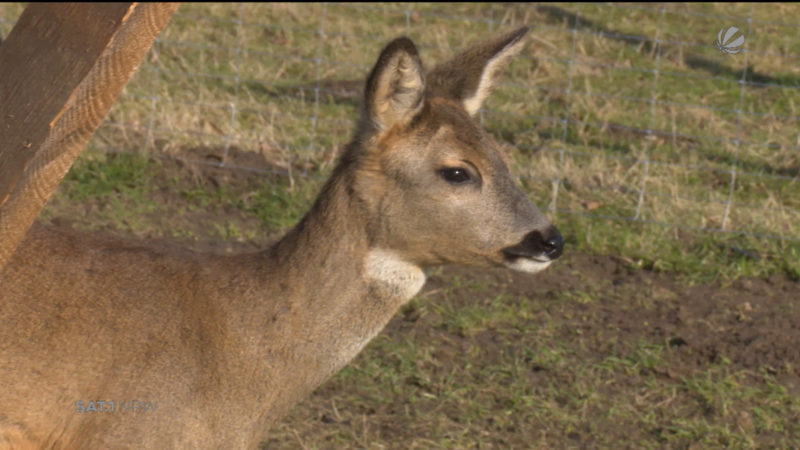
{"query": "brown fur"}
pixel 224 345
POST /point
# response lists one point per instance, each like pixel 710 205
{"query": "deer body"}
pixel 224 345
pixel 211 345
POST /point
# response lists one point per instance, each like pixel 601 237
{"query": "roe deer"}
pixel 93 328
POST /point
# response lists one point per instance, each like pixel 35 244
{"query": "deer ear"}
pixel 395 89
pixel 469 76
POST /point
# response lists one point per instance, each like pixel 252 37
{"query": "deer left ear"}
pixel 468 77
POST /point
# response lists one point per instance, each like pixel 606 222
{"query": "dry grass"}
pixel 244 76
pixel 664 134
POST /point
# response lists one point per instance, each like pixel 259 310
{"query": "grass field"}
pixel 622 139
pixel 670 167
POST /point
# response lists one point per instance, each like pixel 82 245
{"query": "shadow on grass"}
pixel 693 61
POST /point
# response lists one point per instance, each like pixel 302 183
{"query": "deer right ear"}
pixel 468 77
pixel 395 89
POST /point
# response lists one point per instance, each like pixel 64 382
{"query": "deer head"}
pixel 436 184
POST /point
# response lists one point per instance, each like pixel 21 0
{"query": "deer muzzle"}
pixel 536 250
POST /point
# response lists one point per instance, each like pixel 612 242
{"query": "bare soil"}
pixel 752 326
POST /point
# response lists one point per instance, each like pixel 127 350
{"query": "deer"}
pixel 113 343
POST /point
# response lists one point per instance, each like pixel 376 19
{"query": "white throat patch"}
pixel 398 278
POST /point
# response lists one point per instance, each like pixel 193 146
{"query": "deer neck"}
pixel 330 292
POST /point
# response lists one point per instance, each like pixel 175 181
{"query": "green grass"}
pixel 128 175
pixel 697 255
pixel 139 194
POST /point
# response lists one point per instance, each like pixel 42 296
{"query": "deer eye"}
pixel 455 175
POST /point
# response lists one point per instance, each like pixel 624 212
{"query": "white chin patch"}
pixel 527 265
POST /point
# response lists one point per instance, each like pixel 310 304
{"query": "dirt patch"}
pixel 749 324
pixel 598 309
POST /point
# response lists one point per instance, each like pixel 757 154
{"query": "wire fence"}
pixel 629 113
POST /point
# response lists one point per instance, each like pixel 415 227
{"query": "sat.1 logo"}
pixel 726 45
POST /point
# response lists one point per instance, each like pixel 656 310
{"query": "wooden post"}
pixel 61 68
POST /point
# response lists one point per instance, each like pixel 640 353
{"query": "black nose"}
pixel 537 244
pixel 553 245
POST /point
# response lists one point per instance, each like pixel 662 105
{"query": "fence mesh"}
pixel 627 112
